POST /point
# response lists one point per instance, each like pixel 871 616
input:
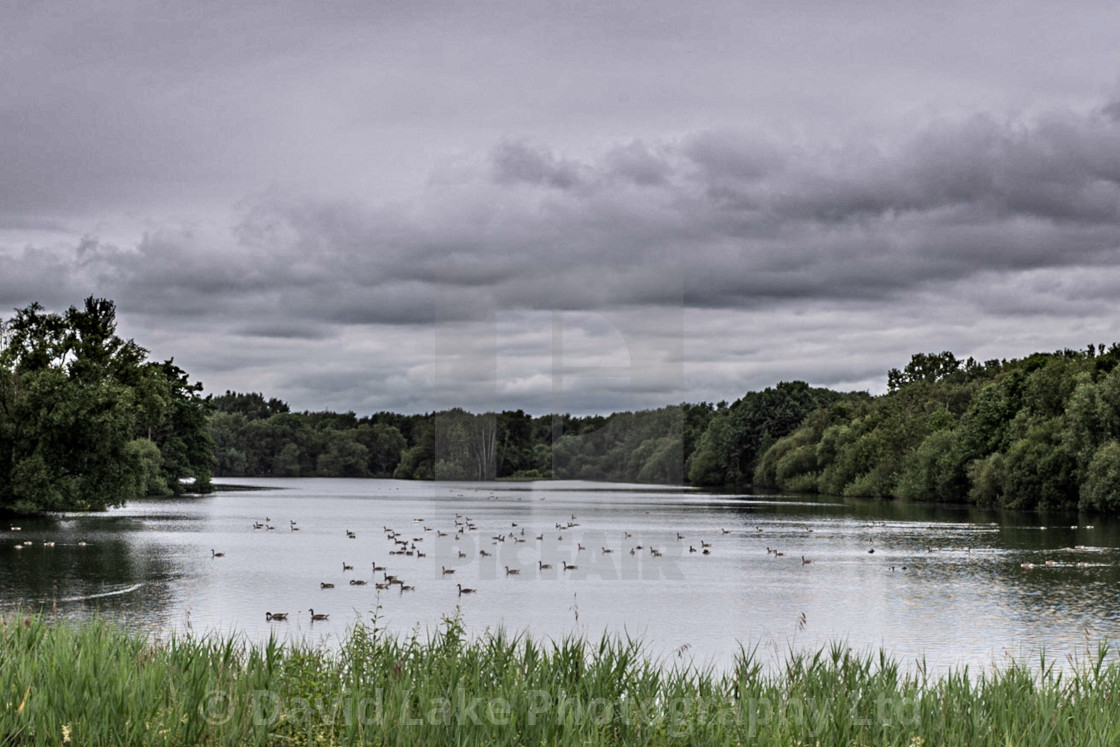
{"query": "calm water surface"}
pixel 948 584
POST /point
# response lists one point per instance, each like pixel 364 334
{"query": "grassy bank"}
pixel 97 684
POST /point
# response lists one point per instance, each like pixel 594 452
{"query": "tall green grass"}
pixel 98 684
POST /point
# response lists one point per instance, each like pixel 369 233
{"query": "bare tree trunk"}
pixel 483 442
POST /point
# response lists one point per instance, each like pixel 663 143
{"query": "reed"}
pixel 96 683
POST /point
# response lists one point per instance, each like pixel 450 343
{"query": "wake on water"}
pixel 109 592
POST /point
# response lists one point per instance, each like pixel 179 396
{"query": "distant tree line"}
pixel 1042 432
pixel 254 436
pixel 702 443
pixel 86 421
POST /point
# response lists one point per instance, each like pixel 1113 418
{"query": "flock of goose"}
pixel 464 532
pixel 410 545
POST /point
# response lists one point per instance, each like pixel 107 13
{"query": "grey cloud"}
pixel 518 162
pixel 1112 110
pixel 732 156
pixel 842 224
pixel 854 222
pixel 638 164
pixel 341 302
pixel 284 329
pixel 1059 168
pixel 15 222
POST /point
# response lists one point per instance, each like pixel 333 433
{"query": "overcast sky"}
pixel 579 206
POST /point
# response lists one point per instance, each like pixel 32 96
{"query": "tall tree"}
pixel 181 432
pixel 74 400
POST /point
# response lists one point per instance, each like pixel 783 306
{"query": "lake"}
pixel 955 585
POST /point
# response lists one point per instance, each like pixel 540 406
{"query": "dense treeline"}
pixel 1042 432
pixel 86 421
pixel 253 436
pixel 702 443
pixel 738 436
pixel 258 437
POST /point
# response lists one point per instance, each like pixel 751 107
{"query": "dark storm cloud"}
pixel 715 220
pixel 286 328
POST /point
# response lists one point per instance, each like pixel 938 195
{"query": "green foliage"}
pixel 343 456
pixel 644 446
pixel 728 452
pixel 383 443
pixel 986 478
pixel 180 430
pixel 935 470
pixel 1093 415
pixel 74 399
pixel 924 367
pixel 466 445
pixel 1038 470
pixel 1023 434
pixel 857 448
pixel 252 405
pixel 288 462
pixel 984 425
pixel 418 461
pixel 515 445
pixel 148 456
pixel 711 462
pixel 789 458
pixel 253 439
pixel 1101 489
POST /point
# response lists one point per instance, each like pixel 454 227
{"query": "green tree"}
pixel 252 405
pixel 924 367
pixel 74 397
pixel 181 432
pixel 1093 416
pixel 515 443
pixel 728 451
pixel 343 456
pixel 934 471
pixel 418 461
pixel 1101 488
pixel 151 461
pixel 385 444
pixel 287 462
